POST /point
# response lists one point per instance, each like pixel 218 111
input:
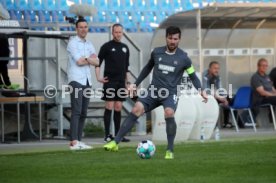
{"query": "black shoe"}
pixel 125 140
pixel 108 138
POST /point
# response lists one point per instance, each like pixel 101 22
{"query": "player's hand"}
pixel 204 96
pixel 103 80
pixel 132 90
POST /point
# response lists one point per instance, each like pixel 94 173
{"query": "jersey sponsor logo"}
pixel 124 49
pixel 166 68
pixel 113 49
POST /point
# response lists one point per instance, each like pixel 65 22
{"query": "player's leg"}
pixel 130 121
pixel 142 105
pixel 121 95
pixel 109 105
pixel 117 115
pixel 170 104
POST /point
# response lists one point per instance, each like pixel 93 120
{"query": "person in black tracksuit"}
pixel 4 52
pixel 115 54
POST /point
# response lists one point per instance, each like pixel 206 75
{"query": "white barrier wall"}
pixel 185 116
pixel 206 117
pixel 190 116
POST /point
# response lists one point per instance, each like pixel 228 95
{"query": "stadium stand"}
pixel 138 14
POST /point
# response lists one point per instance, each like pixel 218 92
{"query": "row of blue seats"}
pixel 112 5
pixel 131 23
pixel 100 17
pixel 101 5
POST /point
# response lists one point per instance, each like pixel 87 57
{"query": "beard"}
pixel 171 47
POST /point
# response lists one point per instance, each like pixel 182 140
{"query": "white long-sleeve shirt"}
pixel 76 49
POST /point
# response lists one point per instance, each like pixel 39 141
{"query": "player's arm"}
pixel 196 82
pixel 145 71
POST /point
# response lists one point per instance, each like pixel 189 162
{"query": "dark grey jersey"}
pixel 168 69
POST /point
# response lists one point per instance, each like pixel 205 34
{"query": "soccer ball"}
pixel 145 149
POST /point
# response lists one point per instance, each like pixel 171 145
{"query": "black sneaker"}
pixel 108 138
pixel 125 139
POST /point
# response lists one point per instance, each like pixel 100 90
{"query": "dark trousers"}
pixel 269 100
pixel 4 72
pixel 79 105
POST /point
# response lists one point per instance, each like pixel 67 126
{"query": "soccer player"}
pixel 115 54
pixel 168 63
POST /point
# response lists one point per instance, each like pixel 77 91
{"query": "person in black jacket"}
pixel 5 82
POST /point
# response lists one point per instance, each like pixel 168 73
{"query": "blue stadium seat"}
pixel 16 15
pixel 75 1
pixel 44 17
pixel 113 5
pixel 127 5
pixel 130 26
pixel 151 5
pixel 111 17
pixel 123 17
pixel 165 5
pixel 61 5
pixel 99 17
pixel 187 5
pixel 101 5
pixel 177 5
pixel 145 27
pixel 30 16
pixel 57 16
pixel 139 5
pixel 34 5
pixel 149 16
pixel 8 4
pixel 161 16
pixel 21 5
pixel 137 16
pixel 86 2
pixel 48 5
pixel 242 101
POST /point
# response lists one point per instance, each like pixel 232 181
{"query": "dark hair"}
pixel 81 19
pixel 173 30
pixel 116 25
pixel 261 60
pixel 212 63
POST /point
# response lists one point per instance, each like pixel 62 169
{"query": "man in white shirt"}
pixel 82 55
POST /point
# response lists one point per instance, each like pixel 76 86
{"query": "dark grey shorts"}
pixel 149 102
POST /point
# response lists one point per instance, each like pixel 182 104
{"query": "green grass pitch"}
pixel 244 161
